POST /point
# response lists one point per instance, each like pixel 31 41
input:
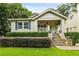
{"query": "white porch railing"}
pixel 42 29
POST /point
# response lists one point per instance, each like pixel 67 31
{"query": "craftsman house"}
pixel 47 21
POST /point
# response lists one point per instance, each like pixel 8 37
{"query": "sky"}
pixel 39 7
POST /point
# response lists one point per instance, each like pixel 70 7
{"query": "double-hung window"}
pixel 26 25
pixel 19 25
pixel 23 25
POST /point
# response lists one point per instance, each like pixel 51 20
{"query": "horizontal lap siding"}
pixel 33 27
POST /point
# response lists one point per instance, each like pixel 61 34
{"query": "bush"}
pixel 25 42
pixel 27 34
pixel 74 36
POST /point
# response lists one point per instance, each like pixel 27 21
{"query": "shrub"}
pixel 74 36
pixel 27 34
pixel 25 42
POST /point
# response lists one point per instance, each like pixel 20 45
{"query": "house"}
pixel 72 22
pixel 47 21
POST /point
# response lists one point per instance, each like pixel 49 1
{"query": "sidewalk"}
pixel 68 47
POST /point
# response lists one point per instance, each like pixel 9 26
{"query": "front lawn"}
pixel 36 52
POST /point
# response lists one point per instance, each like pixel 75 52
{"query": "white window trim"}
pixel 22 25
pixel 18 25
pixel 27 25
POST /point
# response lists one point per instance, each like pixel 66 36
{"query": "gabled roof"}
pixel 50 10
pixel 34 14
pixel 38 15
pixel 20 19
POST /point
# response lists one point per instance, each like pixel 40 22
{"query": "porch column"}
pixel 49 34
pixel 48 27
pixel 58 28
pixel 62 26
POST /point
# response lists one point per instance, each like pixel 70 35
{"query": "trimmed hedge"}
pixel 26 42
pixel 27 34
pixel 74 36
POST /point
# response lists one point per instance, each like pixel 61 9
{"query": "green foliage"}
pixel 65 8
pixel 74 36
pixel 11 11
pixel 62 9
pixel 16 10
pixel 27 34
pixel 3 19
pixel 25 42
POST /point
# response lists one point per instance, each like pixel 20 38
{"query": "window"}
pixel 71 17
pixel 23 25
pixel 19 25
pixel 42 27
pixel 26 25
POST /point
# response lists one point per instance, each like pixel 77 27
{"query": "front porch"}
pixel 51 26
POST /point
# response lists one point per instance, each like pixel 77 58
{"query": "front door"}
pixel 53 30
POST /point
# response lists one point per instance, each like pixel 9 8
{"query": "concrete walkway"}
pixel 68 47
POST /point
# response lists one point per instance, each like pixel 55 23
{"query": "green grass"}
pixel 36 52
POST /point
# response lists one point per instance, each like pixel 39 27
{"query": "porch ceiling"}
pixel 49 21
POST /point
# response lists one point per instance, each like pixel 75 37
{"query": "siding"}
pixel 49 16
pixel 74 22
pixel 32 29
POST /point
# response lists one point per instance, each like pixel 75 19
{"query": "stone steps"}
pixel 60 40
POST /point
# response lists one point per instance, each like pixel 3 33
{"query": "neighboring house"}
pixel 47 21
pixel 72 22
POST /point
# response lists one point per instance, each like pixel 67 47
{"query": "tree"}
pixel 66 8
pixel 17 11
pixel 3 19
pixel 11 11
pixel 73 7
pixel 62 9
